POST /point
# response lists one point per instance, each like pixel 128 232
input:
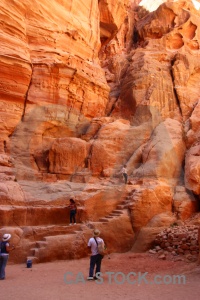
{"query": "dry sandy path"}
pixel 46 281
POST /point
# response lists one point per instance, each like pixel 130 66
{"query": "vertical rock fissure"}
pixel 174 88
pixel 26 95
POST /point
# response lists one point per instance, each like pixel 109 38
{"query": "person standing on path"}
pixel 4 254
pixel 95 258
pixel 73 211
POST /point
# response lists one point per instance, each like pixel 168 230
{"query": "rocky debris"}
pixel 192 176
pixel 162 256
pixel 177 240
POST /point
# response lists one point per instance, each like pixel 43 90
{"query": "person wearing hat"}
pixel 95 258
pixel 4 254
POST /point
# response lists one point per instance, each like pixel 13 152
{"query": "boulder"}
pixel 192 169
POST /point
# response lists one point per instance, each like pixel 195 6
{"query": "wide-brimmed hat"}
pixel 6 237
pixel 96 232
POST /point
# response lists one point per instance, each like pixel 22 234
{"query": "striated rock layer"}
pixel 86 87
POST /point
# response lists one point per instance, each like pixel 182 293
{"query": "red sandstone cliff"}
pixel 85 88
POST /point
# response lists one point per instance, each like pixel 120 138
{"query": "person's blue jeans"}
pixel 95 260
pixel 72 216
pixel 3 262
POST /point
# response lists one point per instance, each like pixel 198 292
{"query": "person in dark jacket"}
pixel 73 211
pixel 4 254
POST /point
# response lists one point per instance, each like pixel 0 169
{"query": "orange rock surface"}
pixel 86 87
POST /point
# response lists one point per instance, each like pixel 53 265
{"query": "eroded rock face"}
pixel 85 91
pixel 116 143
pixel 184 203
pixel 112 15
pixel 41 49
pixel 66 155
pixel 192 174
pixel 192 166
pixel 149 201
pixel 162 156
pixel 193 127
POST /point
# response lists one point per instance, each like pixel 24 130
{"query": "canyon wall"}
pixel 86 87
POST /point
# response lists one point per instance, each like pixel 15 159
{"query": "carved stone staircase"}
pixel 116 212
pixel 52 231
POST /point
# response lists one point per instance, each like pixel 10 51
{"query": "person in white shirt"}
pixel 124 173
pixel 95 258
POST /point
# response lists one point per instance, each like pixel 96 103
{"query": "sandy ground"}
pixel 50 281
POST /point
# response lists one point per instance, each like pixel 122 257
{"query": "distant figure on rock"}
pixel 4 254
pixel 124 173
pixel 73 211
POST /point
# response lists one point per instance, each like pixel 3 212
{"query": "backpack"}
pixel 3 247
pixel 100 247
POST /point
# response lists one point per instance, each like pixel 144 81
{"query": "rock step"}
pixel 103 220
pixel 120 206
pixel 54 230
pixel 127 205
pixel 115 214
pixel 50 226
pixel 117 211
pixel 123 202
pixel 34 251
pixel 33 258
pixel 41 244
